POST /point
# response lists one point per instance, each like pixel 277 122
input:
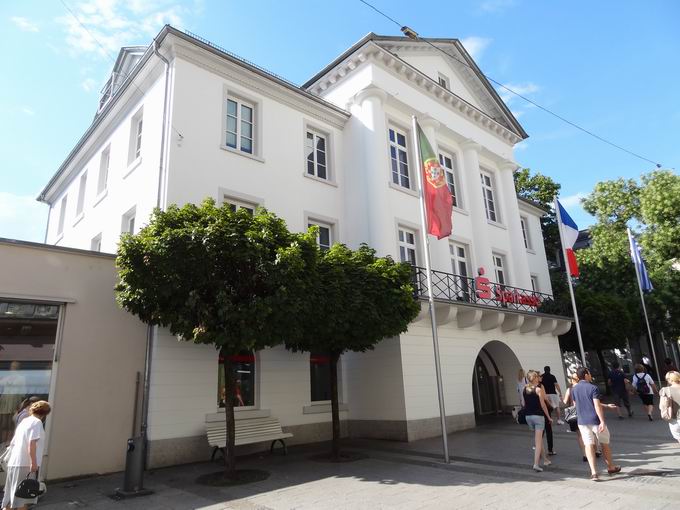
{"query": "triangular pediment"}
pixel 451 60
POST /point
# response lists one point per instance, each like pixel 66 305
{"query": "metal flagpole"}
pixel 428 271
pixel 570 284
pixel 635 257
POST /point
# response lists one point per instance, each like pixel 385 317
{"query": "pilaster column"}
pixel 521 275
pixel 481 247
pixel 439 248
pixel 372 213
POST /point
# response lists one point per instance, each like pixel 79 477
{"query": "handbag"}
pixel 522 416
pixel 570 414
pixel 28 488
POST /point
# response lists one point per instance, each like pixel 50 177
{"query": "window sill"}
pixel 100 197
pixel 529 250
pixel 246 414
pixel 319 179
pixel 241 153
pixel 496 224
pixel 322 408
pixel 132 166
pixel 408 191
pixel 78 218
pixel 458 210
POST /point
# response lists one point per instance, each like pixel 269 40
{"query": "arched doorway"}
pixel 493 380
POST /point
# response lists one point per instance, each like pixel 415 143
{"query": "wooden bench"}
pixel 248 431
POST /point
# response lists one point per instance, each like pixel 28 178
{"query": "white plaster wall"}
pixel 200 167
pixel 126 187
pixel 458 350
pixel 537 256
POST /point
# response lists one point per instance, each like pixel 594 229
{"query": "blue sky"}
pixel 610 66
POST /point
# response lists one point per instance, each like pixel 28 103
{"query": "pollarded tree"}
pixel 214 276
pixel 364 299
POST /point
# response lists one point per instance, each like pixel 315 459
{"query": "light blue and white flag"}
pixel 636 255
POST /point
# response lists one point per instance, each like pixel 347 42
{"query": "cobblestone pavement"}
pixel 490 469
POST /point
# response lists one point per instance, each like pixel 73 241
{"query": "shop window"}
pixel 320 376
pixel 27 336
pixel 243 365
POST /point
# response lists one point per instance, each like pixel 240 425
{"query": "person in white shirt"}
pixel 26 452
pixel 646 388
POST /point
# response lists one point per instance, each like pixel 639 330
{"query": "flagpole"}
pixel 635 256
pixel 430 299
pixel 570 284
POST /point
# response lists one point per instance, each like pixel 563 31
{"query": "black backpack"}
pixel 641 385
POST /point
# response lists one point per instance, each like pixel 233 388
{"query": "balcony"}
pixel 472 301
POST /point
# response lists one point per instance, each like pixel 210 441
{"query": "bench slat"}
pixel 248 431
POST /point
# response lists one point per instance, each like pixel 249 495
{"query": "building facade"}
pixel 184 120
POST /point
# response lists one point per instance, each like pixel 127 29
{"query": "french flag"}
pixel 568 234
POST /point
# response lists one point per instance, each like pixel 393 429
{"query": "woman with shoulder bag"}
pixel 26 452
pixel 669 403
pixel 536 412
pixel 572 421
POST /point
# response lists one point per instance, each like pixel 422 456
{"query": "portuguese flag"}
pixel 438 200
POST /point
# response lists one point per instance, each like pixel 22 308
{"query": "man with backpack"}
pixel 645 388
pixel 617 382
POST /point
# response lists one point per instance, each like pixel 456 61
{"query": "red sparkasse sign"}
pixel 483 291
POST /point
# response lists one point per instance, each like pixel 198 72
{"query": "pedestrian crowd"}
pixel 540 398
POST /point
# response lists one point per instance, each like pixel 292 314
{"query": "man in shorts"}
pixel 617 382
pixel 591 424
pixel 553 392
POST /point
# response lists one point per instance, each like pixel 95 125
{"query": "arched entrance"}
pixel 493 380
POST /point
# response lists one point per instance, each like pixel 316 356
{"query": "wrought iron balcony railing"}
pixel 480 291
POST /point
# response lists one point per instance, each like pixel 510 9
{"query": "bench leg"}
pixel 285 449
pixel 217 448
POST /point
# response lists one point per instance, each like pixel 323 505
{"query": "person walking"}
pixel 617 382
pixel 668 366
pixel 553 392
pixel 26 452
pixel 521 383
pixel 573 424
pixel 536 414
pixel 672 391
pixel 645 387
pixel 591 423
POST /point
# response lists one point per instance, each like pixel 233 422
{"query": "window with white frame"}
pixel 448 163
pixel 499 268
pixel 325 236
pixel 489 197
pixel 459 264
pixel 104 159
pixel 524 221
pixel 320 376
pixel 407 246
pixel 443 81
pixel 316 154
pixel 136 129
pixel 62 215
pixel 240 125
pixel 236 204
pixel 534 283
pixel 96 243
pixel 399 157
pixel 128 221
pixel 81 194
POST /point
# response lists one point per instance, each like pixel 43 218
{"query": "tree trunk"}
pixel 605 372
pixel 335 409
pixel 229 387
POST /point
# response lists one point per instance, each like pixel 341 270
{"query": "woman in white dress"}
pixel 26 452
pixel 673 392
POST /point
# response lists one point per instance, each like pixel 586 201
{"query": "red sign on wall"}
pixel 483 290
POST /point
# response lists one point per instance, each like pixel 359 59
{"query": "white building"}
pixel 186 120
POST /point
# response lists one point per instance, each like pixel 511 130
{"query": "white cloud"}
pixel 475 46
pixel 28 111
pixel 525 89
pixel 522 146
pixel 88 84
pixel 24 24
pixel 22 217
pixel 573 200
pixel 110 24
